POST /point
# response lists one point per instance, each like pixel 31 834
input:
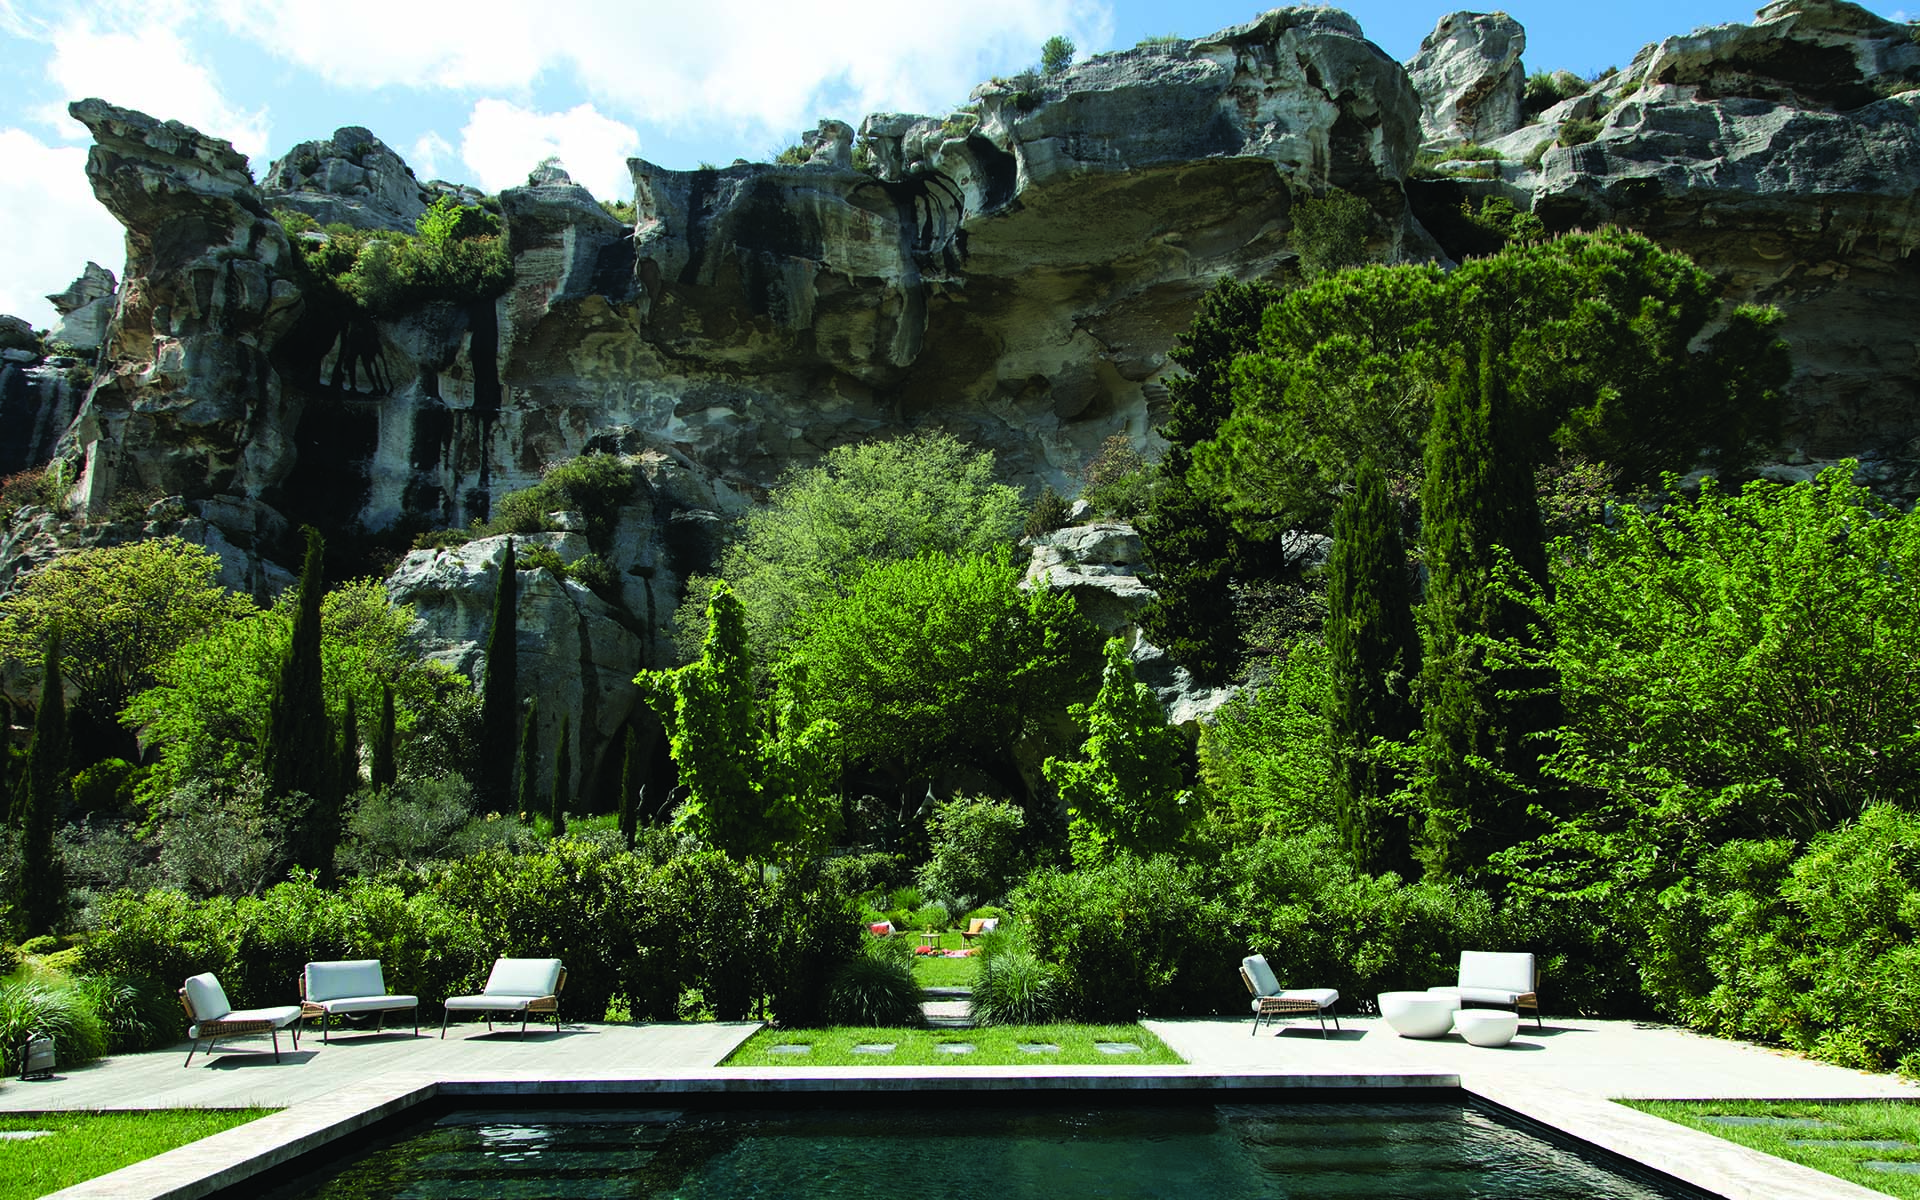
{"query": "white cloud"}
pixel 429 155
pixel 766 69
pixel 50 225
pixel 146 67
pixel 502 142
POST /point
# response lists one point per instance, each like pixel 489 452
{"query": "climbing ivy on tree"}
pixel 756 775
pixel 1127 794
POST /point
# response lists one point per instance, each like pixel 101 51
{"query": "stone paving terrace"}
pixel 1563 1076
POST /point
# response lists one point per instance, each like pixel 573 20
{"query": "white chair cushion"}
pixel 990 924
pixel 1497 971
pixel 1262 975
pixel 352 1004
pixel 489 1003
pixel 336 980
pixel 533 977
pixel 1320 996
pixel 208 998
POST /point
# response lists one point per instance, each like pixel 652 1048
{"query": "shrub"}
pixel 132 1017
pixel 977 851
pixel 1016 988
pixel 540 558
pixel 1579 131
pixel 1544 89
pixel 593 485
pixel 32 1006
pixel 1133 936
pixel 874 990
pixel 817 931
pixel 405 825
pixel 1119 480
pixel 1050 511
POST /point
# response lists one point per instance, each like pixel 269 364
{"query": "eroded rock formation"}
pixel 1469 77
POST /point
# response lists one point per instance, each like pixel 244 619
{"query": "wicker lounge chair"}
pixel 523 985
pixel 1271 1001
pixel 1503 979
pixel 332 989
pixel 979 927
pixel 211 1017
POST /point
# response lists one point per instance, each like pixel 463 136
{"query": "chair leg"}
pixel 524 1014
pixel 444 1014
pixel 276 1045
pixel 191 1048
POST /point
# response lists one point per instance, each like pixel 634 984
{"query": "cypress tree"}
pixel 630 787
pixel 43 883
pixel 1480 752
pixel 1374 646
pixel 500 686
pixel 386 770
pixel 528 793
pixel 347 774
pixel 300 752
pixel 562 775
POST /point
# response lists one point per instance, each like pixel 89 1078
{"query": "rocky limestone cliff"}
pixel 1013 272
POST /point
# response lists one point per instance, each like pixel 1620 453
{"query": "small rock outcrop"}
pixel 352 177
pixel 1469 77
pixel 85 308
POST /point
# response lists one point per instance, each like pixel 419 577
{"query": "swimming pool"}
pixel 1005 1150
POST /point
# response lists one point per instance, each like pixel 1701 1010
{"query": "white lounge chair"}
pixel 1270 1000
pixel 1505 979
pixel 210 1016
pixel 523 985
pixel 331 989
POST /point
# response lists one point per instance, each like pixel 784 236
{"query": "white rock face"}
pixel 351 177
pixel 85 308
pixel 1469 77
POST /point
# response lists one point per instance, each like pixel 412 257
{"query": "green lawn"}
pixel 84 1145
pixel 929 971
pixel 1855 1121
pixel 997 1046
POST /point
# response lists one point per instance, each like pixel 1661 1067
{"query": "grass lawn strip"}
pixel 993 1046
pixel 1863 1121
pixel 85 1144
pixel 945 972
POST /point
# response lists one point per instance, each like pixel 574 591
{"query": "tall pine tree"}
pixel 300 753
pixel 385 770
pixel 562 774
pixel 1481 749
pixel 1374 647
pixel 500 688
pixel 1190 544
pixel 347 773
pixel 43 882
pixel 630 769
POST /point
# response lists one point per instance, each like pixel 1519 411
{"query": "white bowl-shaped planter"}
pixel 1418 1014
pixel 1487 1026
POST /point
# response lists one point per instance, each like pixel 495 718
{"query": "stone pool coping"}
pixel 1223 1060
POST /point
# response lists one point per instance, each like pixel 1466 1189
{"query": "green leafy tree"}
pixel 1267 758
pixel 863 505
pixel 1483 718
pixel 42 884
pixel 1599 339
pixel 528 790
pixel 979 851
pixel 1056 54
pixel 1190 543
pixel 936 662
pixel 1329 232
pixel 562 793
pixel 1128 794
pixel 298 750
pixel 756 775
pixel 500 685
pixel 1374 648
pixel 121 611
pixel 207 714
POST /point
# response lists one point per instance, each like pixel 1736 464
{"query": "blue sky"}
pixel 478 91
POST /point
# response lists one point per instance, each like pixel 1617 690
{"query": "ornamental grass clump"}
pixel 1016 988
pixel 874 989
pixel 31 1007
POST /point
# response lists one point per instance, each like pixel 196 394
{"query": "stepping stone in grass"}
pixel 874 1048
pixel 23 1135
pixel 1853 1143
pixel 793 1048
pixel 1037 1048
pixel 953 1048
pixel 1773 1122
pixel 1116 1047
pixel 1893 1168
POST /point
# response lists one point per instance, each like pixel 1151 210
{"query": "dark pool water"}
pixel 1428 1151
